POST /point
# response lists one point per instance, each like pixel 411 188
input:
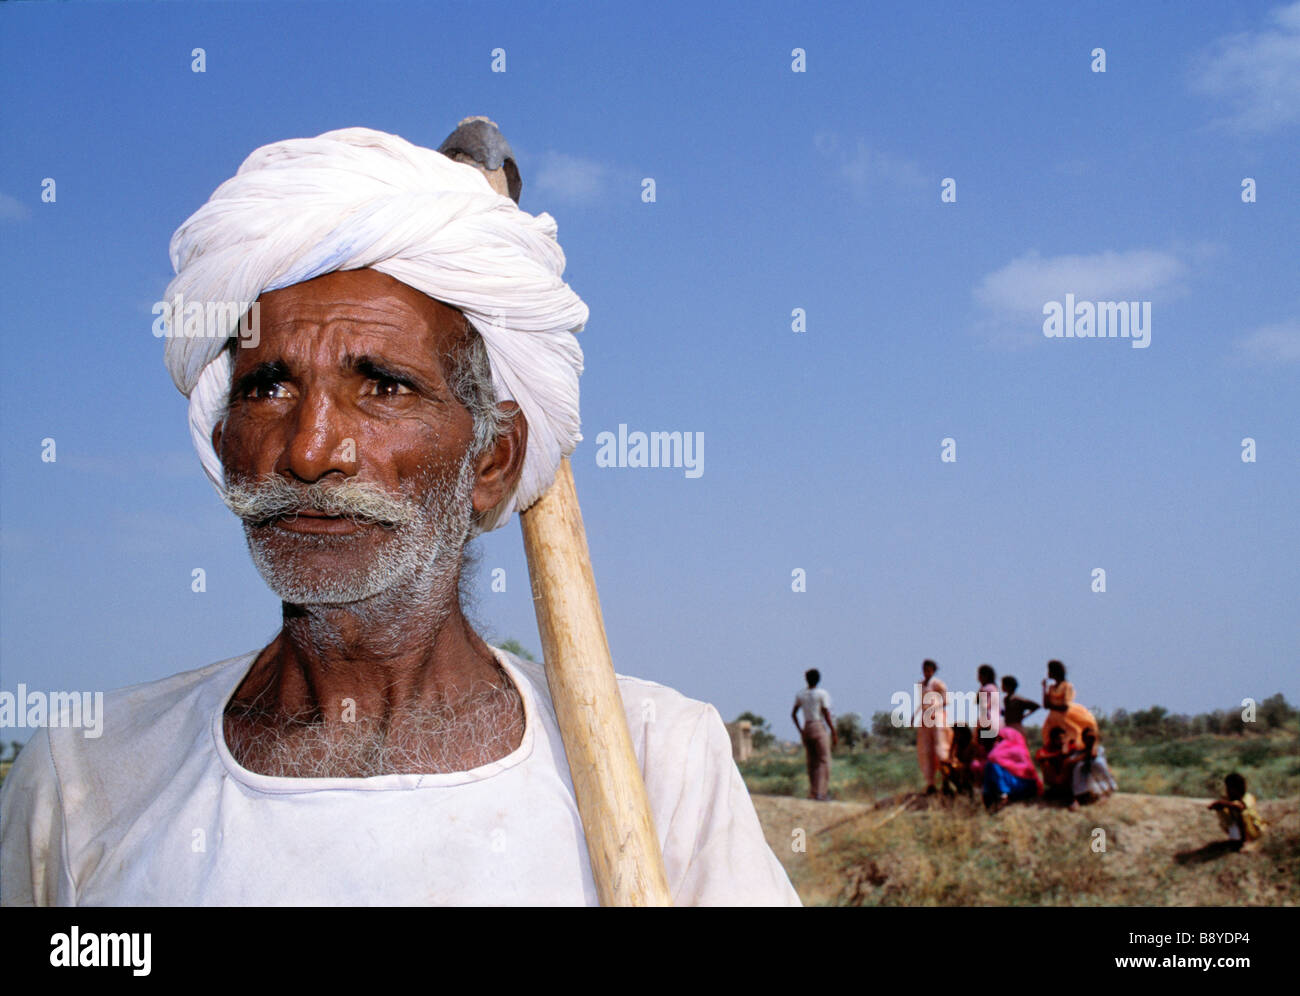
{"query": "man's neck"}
pixel 409 691
pixel 325 655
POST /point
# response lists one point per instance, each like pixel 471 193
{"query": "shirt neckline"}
pixel 278 784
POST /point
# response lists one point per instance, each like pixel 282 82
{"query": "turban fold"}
pixel 357 198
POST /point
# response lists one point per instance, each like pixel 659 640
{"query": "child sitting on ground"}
pixel 1238 813
pixel 1091 780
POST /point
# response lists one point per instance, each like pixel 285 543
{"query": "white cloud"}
pixel 570 179
pixel 1269 344
pixel 1025 284
pixel 1256 73
pixel 12 209
pixel 1012 297
pixel 867 170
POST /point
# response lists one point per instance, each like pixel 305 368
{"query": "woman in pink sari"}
pixel 933 734
pixel 1009 772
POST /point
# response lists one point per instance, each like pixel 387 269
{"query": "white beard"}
pixel 413 561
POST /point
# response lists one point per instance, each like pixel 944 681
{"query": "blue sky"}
pixel 775 190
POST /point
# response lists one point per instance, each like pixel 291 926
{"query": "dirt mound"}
pixel 1130 850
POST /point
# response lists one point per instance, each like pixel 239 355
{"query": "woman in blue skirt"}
pixel 1009 772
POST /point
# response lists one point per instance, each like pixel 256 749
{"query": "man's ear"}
pixel 216 436
pixel 500 466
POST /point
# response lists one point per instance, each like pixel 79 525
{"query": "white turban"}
pixel 357 198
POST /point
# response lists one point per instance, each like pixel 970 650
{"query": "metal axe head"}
pixel 479 142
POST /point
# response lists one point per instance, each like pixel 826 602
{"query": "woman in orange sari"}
pixel 933 734
pixel 1062 711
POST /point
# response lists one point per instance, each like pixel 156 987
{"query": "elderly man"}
pixel 407 378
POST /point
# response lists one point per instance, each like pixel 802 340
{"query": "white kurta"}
pixel 156 811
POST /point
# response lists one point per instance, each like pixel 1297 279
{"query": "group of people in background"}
pixel 993 756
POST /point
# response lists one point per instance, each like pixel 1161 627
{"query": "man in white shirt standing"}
pixel 406 379
pixel 818 733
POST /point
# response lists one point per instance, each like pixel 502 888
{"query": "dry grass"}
pixel 937 853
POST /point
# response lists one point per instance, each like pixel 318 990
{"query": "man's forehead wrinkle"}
pixel 347 337
pixel 293 323
pixel 346 318
pixel 338 343
pixel 388 316
pixel 399 302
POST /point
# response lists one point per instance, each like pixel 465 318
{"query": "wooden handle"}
pixel 621 839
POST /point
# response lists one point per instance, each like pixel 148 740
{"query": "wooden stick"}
pixel 857 816
pixel 621 839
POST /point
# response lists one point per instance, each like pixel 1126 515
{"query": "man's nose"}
pixel 321 441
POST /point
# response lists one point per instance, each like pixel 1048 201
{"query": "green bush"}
pixel 1179 754
pixel 1250 755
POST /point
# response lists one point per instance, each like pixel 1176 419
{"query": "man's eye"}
pixel 387 387
pixel 275 390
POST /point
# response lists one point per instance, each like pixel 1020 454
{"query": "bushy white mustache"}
pixel 276 497
pixel 417 557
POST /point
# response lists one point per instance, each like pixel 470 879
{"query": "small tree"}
pixel 1149 723
pixel 882 725
pixel 1230 721
pixel 1275 712
pixel 848 727
pixel 760 733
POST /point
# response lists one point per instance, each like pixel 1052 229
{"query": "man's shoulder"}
pixel 147 733
pixel 145 724
pixel 163 693
pixel 650 701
